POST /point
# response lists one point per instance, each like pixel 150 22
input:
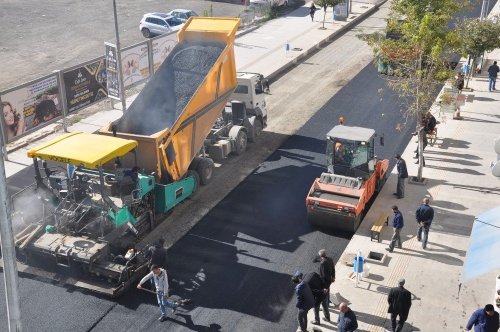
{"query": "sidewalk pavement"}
pixel 261 50
pixel 459 184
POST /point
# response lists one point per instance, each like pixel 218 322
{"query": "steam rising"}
pixel 166 95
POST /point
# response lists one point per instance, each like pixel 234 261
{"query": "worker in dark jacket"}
pixel 347 321
pixel 327 274
pixel 424 215
pixel 305 299
pixel 156 254
pixel 399 304
pixel 319 293
pixel 484 320
pixel 397 224
pixel 402 176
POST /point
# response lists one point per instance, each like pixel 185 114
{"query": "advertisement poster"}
pixel 30 106
pixel 112 79
pixel 162 48
pixel 85 85
pixel 135 65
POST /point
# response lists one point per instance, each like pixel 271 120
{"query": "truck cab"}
pixel 252 90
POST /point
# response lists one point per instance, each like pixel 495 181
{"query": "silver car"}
pixel 183 14
pixel 154 24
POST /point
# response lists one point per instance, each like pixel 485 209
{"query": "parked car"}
pixel 183 14
pixel 268 2
pixel 154 24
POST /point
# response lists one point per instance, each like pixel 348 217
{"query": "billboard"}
pixel 112 78
pixel 85 85
pixel 162 48
pixel 30 106
pixel 135 65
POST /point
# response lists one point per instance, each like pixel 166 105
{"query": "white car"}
pixel 154 24
pixel 183 14
pixel 269 2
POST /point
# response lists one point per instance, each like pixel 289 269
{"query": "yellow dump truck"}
pixel 92 212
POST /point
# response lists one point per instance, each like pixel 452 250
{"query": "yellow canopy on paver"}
pixel 83 149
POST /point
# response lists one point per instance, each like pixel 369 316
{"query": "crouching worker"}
pixel 161 283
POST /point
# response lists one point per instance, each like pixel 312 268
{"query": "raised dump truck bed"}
pixel 177 108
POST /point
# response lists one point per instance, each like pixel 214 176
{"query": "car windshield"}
pixel 173 21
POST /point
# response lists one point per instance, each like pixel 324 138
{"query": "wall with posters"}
pixel 30 106
pixel 135 64
pixel 85 84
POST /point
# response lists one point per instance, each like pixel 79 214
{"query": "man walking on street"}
pixel 484 320
pixel 424 216
pixel 327 273
pixel 305 299
pixel 397 224
pixel 492 75
pixel 402 176
pixel 161 283
pixel 399 304
pixel 347 321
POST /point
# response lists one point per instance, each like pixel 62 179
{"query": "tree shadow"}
pixel 456 170
pixel 466 118
pixel 484 99
pixel 453 143
pixel 449 205
pixel 455 161
pixel 452 154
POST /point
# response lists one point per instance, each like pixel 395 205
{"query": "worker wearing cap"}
pixel 399 304
pixel 305 299
pixel 160 278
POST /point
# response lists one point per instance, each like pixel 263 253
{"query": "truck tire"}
pixel 196 178
pixel 205 170
pixel 257 126
pixel 239 139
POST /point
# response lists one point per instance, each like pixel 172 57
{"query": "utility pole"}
pixel 484 9
pixel 8 255
pixel 119 60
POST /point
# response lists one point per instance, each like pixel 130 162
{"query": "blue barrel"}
pixel 358 264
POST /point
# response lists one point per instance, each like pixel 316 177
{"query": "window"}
pixel 150 20
pixel 241 89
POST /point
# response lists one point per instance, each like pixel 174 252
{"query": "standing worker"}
pixel 319 291
pixel 160 278
pixel 397 224
pixel 399 304
pixel 484 320
pixel 424 215
pixel 312 10
pixel 305 299
pixel 347 321
pixel 492 75
pixel 402 176
pixel 327 273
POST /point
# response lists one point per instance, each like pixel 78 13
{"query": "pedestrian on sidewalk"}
pixel 160 278
pixel 402 176
pixel 319 292
pixel 399 299
pixel 327 274
pixel 484 320
pixel 397 224
pixel 492 75
pixel 312 10
pixel 305 299
pixel 347 321
pixel 424 215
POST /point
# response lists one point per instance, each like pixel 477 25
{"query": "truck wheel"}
pixel 196 178
pixel 205 170
pixel 256 130
pixel 240 143
pixel 194 164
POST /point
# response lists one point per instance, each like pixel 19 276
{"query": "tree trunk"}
pixel 469 74
pixel 421 133
pixel 324 18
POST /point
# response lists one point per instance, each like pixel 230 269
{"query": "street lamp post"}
pixel 119 60
pixel 8 255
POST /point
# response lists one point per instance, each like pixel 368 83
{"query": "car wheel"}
pixel 146 33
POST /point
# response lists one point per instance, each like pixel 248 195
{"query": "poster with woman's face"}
pixel 30 106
